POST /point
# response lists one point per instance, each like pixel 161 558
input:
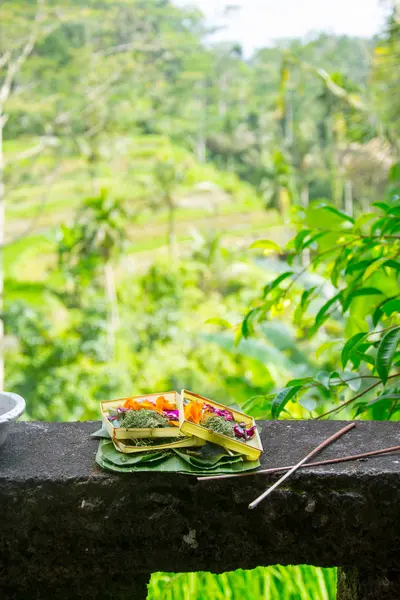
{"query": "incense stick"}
pixel 321 446
pixel 319 463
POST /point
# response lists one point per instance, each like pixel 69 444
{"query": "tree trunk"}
pixel 348 198
pixel 172 245
pixel 112 301
pixel 223 95
pixel 93 177
pixel 305 196
pixel 283 201
pixel 2 231
pixel 201 148
pixel 289 134
pixel 332 160
pixel 305 202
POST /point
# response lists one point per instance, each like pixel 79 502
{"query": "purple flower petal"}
pixel 250 432
pixel 242 433
pixel 173 415
pixel 239 432
pixel 219 412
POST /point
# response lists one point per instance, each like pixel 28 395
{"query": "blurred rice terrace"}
pixel 139 162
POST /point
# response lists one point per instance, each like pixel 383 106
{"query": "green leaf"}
pixel 382 205
pixel 394 210
pixel 380 224
pixel 247 325
pixel 367 291
pixel 351 379
pixel 258 406
pixel 375 266
pixel 344 216
pixel 322 316
pixel 270 286
pixel 334 380
pixel 309 404
pixel 302 306
pixel 220 322
pixel 266 245
pixel 306 299
pixel 314 238
pixel 325 347
pixel 300 237
pixel 384 397
pixel 350 345
pixel 392 264
pixel 175 461
pixel 393 227
pixel 391 306
pixel 299 382
pixel 358 357
pixel 324 377
pixel 379 311
pixel 352 267
pixel 386 351
pixel 282 398
pixel 238 337
pixel 364 219
pixel 340 263
pixel 394 173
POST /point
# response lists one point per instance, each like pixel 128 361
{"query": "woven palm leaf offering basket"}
pixel 181 433
pixel 219 424
pixel 137 423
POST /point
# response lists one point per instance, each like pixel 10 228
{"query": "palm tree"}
pixel 91 246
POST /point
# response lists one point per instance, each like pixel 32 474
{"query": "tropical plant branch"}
pixel 15 66
pixel 381 330
pixel 304 269
pixel 361 236
pixel 33 151
pixel 339 408
pixel 4 59
pixel 392 409
pixel 344 381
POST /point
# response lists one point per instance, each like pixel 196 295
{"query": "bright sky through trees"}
pixel 256 23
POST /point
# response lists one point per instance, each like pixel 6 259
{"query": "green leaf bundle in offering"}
pixel 206 460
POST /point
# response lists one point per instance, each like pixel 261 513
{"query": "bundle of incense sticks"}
pixel 305 464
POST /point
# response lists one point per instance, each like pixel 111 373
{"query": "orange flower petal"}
pixel 147 405
pixel 131 404
pixel 163 404
pixel 193 412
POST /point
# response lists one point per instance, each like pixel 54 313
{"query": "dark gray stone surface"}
pixel 65 522
pixel 358 584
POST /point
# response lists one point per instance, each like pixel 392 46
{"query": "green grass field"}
pixel 272 583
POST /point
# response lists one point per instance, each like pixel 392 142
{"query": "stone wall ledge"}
pixel 67 525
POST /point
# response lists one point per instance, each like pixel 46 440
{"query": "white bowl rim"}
pixel 16 411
